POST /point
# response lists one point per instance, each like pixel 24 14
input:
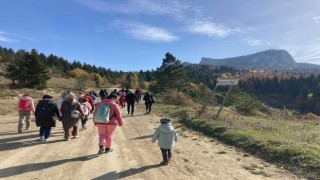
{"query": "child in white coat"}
pixel 166 136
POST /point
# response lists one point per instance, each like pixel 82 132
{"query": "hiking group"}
pixel 74 110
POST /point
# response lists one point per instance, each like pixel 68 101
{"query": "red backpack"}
pixel 23 104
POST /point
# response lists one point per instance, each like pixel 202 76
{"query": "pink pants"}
pixel 105 134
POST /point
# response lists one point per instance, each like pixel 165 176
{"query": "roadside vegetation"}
pixel 278 136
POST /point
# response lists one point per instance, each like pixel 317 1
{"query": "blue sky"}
pixel 133 35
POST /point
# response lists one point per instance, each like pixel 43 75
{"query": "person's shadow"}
pixel 12 171
pixel 132 171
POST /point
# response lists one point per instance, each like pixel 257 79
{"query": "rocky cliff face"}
pixel 270 59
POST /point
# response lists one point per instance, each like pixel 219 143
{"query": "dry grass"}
pixel 277 136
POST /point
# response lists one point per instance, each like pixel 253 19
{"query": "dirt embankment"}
pixel 24 156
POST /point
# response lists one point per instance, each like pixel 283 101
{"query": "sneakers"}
pixel 19 131
pixel 164 163
pixel 101 150
pixel 76 136
pixel 47 139
pixel 84 127
pixel 67 139
pixel 41 137
pixel 108 150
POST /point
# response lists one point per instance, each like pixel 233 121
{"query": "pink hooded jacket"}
pixel 31 104
pixel 115 115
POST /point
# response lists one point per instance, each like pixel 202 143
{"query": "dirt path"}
pixel 24 156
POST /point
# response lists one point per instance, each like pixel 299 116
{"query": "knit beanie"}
pixel 164 120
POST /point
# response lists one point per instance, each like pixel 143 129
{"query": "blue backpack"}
pixel 102 114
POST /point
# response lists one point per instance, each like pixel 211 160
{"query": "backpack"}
pixel 85 109
pixel 44 110
pixel 24 104
pixel 101 115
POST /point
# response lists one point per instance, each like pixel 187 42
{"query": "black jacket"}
pixel 46 113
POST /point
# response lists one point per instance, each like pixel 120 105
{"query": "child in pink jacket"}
pixel 106 130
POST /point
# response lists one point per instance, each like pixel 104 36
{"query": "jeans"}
pixel 166 154
pixel 45 132
pixel 84 121
pixel 24 116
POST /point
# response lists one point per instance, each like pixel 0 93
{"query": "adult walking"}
pixel 46 115
pixel 25 108
pixel 148 101
pixel 130 99
pixel 106 131
pixel 71 114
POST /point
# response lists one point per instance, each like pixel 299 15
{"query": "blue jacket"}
pixel 166 136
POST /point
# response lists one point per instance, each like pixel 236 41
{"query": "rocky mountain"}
pixel 269 59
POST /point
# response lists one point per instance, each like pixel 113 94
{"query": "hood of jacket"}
pixel 108 101
pixel 26 98
pixel 46 101
pixel 166 128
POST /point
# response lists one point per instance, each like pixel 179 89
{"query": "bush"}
pixel 177 98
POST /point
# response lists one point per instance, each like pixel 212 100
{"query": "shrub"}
pixel 177 98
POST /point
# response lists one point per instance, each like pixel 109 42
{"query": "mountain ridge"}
pixel 268 59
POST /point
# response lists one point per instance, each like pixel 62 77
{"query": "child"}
pixel 86 108
pixel 166 136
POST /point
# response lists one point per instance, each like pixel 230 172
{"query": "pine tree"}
pixel 171 75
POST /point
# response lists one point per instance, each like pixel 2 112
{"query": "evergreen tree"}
pixel 171 75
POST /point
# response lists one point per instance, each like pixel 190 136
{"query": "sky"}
pixel 134 35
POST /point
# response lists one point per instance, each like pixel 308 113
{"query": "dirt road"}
pixel 24 156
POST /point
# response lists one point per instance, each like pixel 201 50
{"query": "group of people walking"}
pixel 72 110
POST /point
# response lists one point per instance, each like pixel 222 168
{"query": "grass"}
pixel 277 137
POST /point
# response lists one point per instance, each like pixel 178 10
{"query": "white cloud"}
pixel 142 31
pixel 210 28
pixel 317 19
pixel 307 52
pixel 178 11
pixel 255 42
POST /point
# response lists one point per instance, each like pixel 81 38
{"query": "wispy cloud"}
pixel 142 31
pixel 305 52
pixel 210 28
pixel 255 42
pixel 317 19
pixel 4 38
pixel 12 37
pixel 163 7
pixel 178 11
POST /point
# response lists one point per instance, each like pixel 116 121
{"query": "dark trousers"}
pixel 166 154
pixel 130 105
pixel 148 107
pixel 45 132
pixel 84 120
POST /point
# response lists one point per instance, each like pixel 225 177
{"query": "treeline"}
pixel 33 70
pixel 21 65
pixel 304 90
pixel 208 74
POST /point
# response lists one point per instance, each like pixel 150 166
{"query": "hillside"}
pixel 269 59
